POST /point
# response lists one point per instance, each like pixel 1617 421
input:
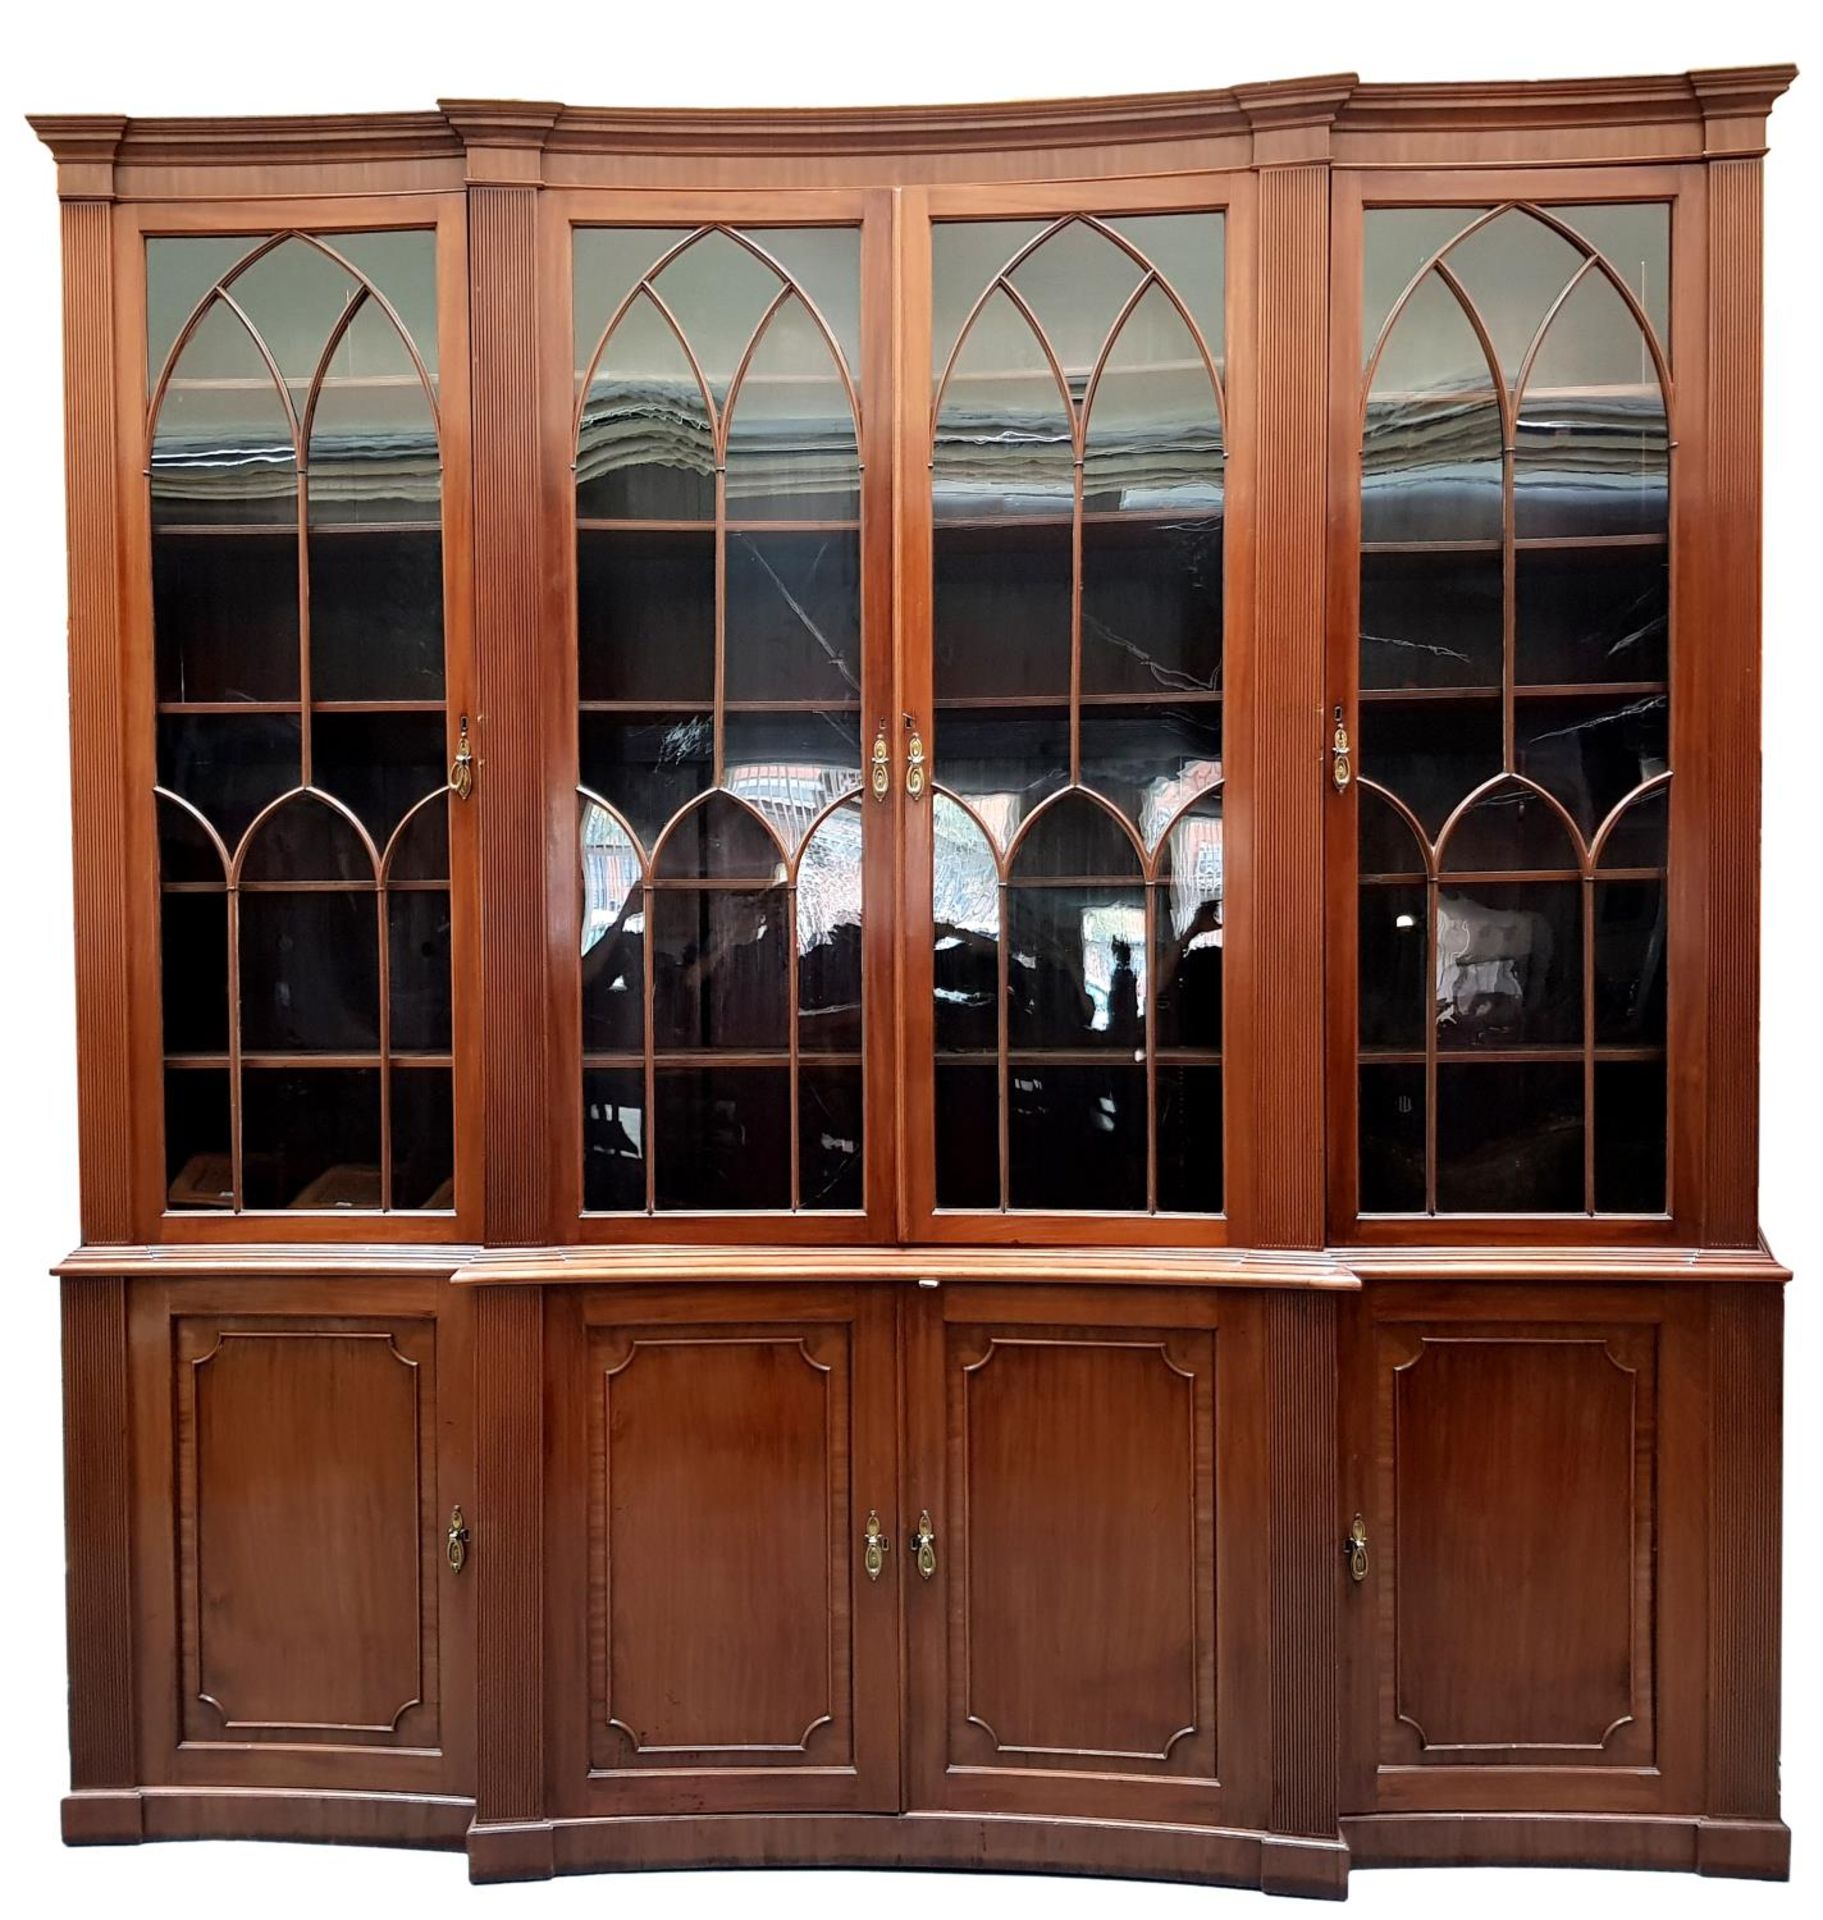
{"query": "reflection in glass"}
pixel 1004 760
pixel 1431 619
pixel 1593 750
pixel 1592 613
pixel 1189 1139
pixel 1511 829
pixel 613 1140
pixel 794 617
pixel 613 935
pixel 789 766
pixel 720 962
pixel 1077 283
pixel 1509 965
pixel 965 916
pixel 1189 933
pixel 647 449
pixel 791 429
pixel 1149 761
pixel 1392 949
pixel 829 935
pixel 650 765
pixel 829 1138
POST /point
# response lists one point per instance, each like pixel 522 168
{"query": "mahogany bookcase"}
pixel 917 975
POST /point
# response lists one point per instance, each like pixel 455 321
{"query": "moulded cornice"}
pixel 84 146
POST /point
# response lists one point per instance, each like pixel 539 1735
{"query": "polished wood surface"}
pixel 1129 1641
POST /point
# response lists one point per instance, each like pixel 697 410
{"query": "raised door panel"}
pixel 1074 1626
pixel 297 1470
pixel 1529 1521
pixel 736 1650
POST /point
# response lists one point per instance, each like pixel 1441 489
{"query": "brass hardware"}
pixel 455 1545
pixel 873 1558
pixel 924 1545
pixel 914 760
pixel 1339 769
pixel 1355 1546
pixel 881 777
pixel 462 771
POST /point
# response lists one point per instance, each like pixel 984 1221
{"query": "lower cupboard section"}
pixel 1015 1576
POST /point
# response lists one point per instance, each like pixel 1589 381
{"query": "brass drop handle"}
pixel 1339 770
pixel 1355 1546
pixel 914 759
pixel 462 768
pixel 455 1543
pixel 881 777
pixel 924 1546
pixel 875 1547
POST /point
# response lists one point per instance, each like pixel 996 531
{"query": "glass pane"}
pixel 649 765
pixel 310 973
pixel 1593 454
pixel 719 292
pixel 829 1138
pixel 794 617
pixel 1077 967
pixel 376 613
pixel 1432 755
pixel 1592 613
pixel 373 441
pixel 228 767
pixel 1630 964
pixel 180 270
pixel 1148 761
pixel 307 839
pixel 225 612
pixel 423 1138
pixel 1592 751
pixel 294 295
pixel 965 912
pixel 401 264
pixel 193 945
pixel 1003 761
pixel 722 840
pixel 1510 830
pixel 1004 444
pixel 1635 238
pixel 613 936
pixel 1638 835
pixel 419 847
pixel 1401 241
pixel 1431 619
pixel 606 262
pixel 1388 845
pixel 968 1136
pixel 418 958
pixel 1076 283
pixel 829 934
pixel 614 1141
pixel 311 1137
pixel 1077 1138
pixel 1629 1136
pixel 222 454
pixel 826 264
pixel 720 965
pixel 1513 269
pixel 646 450
pixel 724 1138
pixel 1190 1139
pixel 1187 251
pixel 1189 932
pixel 1392 1139
pixel 1431 453
pixel 645 613
pixel 1002 608
pixel 791 431
pixel 199 1154
pixel 965 256
pixel 1509 966
pixel 1509 1138
pixel 1394 996
pixel 185 850
pixel 380 764
pixel 1074 838
pixel 789 766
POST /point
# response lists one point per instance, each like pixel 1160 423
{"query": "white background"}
pixel 332 56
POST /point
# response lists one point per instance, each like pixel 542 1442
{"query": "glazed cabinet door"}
pixel 1064 560
pixel 718 411
pixel 1530 1468
pixel 301 1453
pixel 1085 1586
pixel 722 1538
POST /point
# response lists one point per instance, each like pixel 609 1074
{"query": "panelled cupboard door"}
pixel 1067 421
pixel 1086 1476
pixel 722 1638
pixel 718 406
pixel 1529 1465
pixel 299 1456
pixel 1519 673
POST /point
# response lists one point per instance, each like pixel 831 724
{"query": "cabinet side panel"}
pixel 1745 1491
pixel 97 774
pixel 99 1551
pixel 1732 703
pixel 509 789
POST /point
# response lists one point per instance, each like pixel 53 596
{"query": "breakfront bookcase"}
pixel 917 973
